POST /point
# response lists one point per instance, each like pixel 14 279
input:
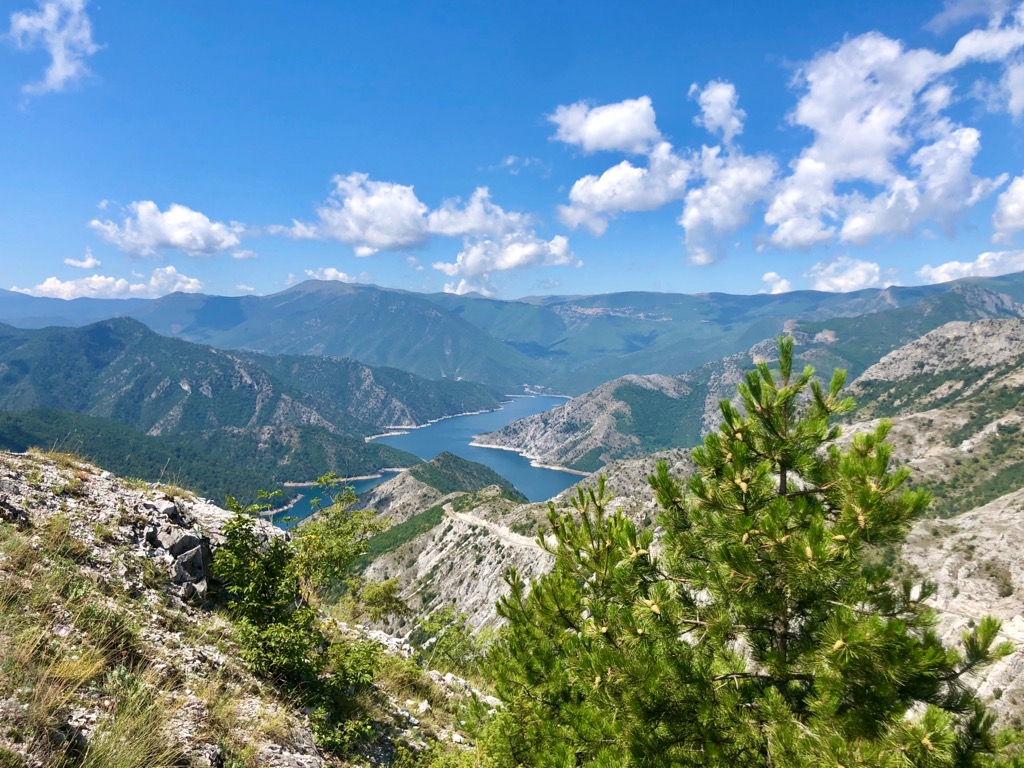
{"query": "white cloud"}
pixel 945 187
pixel 720 112
pixel 870 104
pixel 146 230
pixel 957 11
pixel 243 254
pixel 63 29
pixel 722 205
pixel 844 274
pixel 625 187
pixel 330 273
pixel 626 126
pixel 1008 218
pixel 776 283
pixel 518 250
pixel 369 215
pixel 245 288
pixel 374 216
pixel 987 264
pixel 88 262
pixel 479 216
pixel 162 281
pixel 1013 88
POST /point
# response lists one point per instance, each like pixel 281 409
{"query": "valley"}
pixel 468 495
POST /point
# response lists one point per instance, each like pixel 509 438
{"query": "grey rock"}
pixel 194 592
pixel 164 508
pixel 175 540
pixel 190 567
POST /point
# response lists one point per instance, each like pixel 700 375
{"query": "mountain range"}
pixel 151 398
pixel 569 344
pixel 637 415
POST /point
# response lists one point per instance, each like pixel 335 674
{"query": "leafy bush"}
pixel 275 588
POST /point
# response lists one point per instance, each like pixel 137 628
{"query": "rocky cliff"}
pixel 114 650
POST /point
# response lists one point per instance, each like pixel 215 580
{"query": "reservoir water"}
pixel 455 435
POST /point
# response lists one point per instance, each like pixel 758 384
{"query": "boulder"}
pixel 175 540
pixel 189 567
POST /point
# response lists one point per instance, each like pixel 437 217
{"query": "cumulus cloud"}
pixel 625 126
pixel 374 216
pixel 719 107
pixel 871 105
pixel 733 184
pixel 146 230
pixel 479 216
pixel 87 262
pixel 944 187
pixel 61 28
pixel 594 200
pixel 162 281
pixel 476 262
pixel 844 274
pixel 245 288
pixel 987 264
pixel 369 215
pixel 776 283
pixel 330 273
pixel 1008 218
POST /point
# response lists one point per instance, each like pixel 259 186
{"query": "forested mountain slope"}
pixel 569 343
pixel 275 419
pixel 635 415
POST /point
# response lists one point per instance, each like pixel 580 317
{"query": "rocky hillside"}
pixel 956 399
pixel 637 415
pixel 114 650
pixel 977 562
pixel 99 585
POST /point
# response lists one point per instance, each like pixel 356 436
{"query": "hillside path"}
pixel 503 533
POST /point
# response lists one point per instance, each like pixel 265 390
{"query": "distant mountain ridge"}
pixel 636 415
pixel 281 419
pixel 569 344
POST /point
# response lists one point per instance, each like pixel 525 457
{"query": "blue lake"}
pixel 456 434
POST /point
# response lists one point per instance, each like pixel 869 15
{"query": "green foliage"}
pixel 327 545
pixel 760 636
pixel 658 420
pixel 405 531
pixel 449 473
pixel 447 642
pixel 276 586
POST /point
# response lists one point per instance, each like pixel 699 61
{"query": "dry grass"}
pixel 61 642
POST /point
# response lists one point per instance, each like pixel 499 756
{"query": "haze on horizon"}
pixel 511 151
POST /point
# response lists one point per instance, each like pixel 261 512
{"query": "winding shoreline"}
pixel 404 429
pixel 534 460
pixel 380 473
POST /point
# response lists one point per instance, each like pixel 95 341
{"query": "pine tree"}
pixel 757 631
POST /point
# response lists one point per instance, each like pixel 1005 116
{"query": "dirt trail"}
pixel 503 533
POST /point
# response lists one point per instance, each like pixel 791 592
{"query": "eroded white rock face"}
pixel 956 345
pixel 977 562
pixel 401 497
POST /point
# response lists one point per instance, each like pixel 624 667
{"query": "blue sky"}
pixel 508 148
